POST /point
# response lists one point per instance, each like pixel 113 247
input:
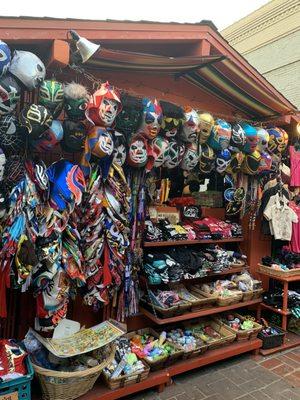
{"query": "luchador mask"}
pixel 51 137
pixel 251 138
pixel 137 152
pixel 160 148
pixel 119 152
pixel 263 140
pixel 28 68
pixel 238 138
pixel 9 94
pixel 220 135
pixel 129 119
pixel 206 122
pixel 3 202
pixel 11 139
pixel 265 164
pixel 172 119
pixel 76 98
pixel 235 163
pixel 2 164
pixel 66 183
pixel 105 145
pixel 51 96
pixel 36 120
pixel 223 160
pixel 190 158
pixel 207 159
pixel 5 57
pixel 190 127
pixel 173 157
pixel 278 140
pixel 151 119
pixel 74 136
pixel 104 105
pixel 251 163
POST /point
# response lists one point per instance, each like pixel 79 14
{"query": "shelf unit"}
pixel 190 242
pixel 163 377
pixel 291 340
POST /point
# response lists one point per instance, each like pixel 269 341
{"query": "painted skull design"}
pixel 137 153
pixel 152 119
pixel 190 158
pixel 160 148
pixel 206 122
pixel 190 127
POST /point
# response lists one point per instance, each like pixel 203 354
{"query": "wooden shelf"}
pixel 291 278
pixel 291 340
pixel 163 377
pixel 276 310
pixel 188 242
pixel 199 313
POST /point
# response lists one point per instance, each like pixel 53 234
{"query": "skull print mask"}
pixel 190 127
pixel 152 119
pixel 137 153
pixel 206 122
pixel 160 148
pixel 190 158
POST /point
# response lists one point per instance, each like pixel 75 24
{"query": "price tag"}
pixel 10 396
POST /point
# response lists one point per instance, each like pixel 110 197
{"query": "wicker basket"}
pixel 247 295
pixel 278 273
pixel 210 298
pixel 168 312
pixel 257 293
pixel 238 264
pixel 164 360
pixel 227 301
pixel 227 336
pixel 244 334
pixel 57 385
pixel 125 380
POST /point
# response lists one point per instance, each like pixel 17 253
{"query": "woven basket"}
pixel 210 298
pixel 238 264
pixel 275 272
pixel 244 334
pixel 247 295
pixel 125 380
pixel 227 301
pixel 257 293
pixel 164 360
pixel 168 312
pixel 57 385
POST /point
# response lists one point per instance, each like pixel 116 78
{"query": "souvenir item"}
pixel 238 138
pixel 235 162
pixel 223 160
pixel 104 105
pixel 172 119
pixel 160 148
pixel 14 171
pixel 206 122
pixel 36 120
pixel 50 138
pixel 67 184
pixel 3 202
pixel 99 142
pixel 220 135
pixel 263 139
pixel 251 138
pixel 9 94
pixel 2 164
pixel 12 358
pixel 251 163
pixel 207 159
pixel 5 58
pixel 233 208
pixel 129 119
pixel 175 154
pixel 190 127
pixel 265 163
pixel 120 152
pixel 51 96
pixel 74 134
pixel 190 157
pixel 28 68
pixel 137 153
pixel 76 98
pixel 151 119
pixel 11 138
pixel 278 140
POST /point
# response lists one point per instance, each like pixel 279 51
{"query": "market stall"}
pixel 135 175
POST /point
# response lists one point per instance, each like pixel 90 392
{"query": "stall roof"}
pixel 195 53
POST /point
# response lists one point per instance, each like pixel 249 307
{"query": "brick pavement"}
pixel 244 377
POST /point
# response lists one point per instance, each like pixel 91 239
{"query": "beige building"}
pixel 269 38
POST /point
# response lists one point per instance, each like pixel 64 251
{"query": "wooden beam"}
pixel 59 55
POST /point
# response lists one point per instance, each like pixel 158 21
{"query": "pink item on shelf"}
pixel 295 166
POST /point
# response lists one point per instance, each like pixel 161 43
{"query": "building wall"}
pixel 269 38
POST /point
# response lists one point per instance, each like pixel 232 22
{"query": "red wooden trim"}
pixel 276 310
pixel 60 54
pixel 200 313
pixel 291 340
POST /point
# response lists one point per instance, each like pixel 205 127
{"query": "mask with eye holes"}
pixel 251 138
pixel 3 202
pixel 51 96
pixel 223 160
pixel 5 58
pixel 151 119
pixel 206 122
pixel 190 158
pixel 137 152
pixel 238 138
pixel 120 151
pixel 190 127
pixel 263 140
pixel 75 101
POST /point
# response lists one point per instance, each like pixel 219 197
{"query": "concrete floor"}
pixel 244 377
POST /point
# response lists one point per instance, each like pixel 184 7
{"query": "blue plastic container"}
pixel 20 385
